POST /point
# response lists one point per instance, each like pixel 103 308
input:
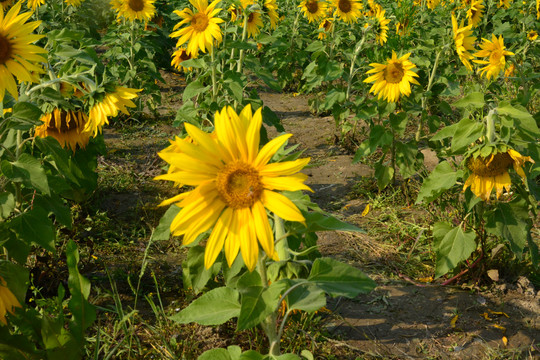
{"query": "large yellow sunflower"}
pixel 432 4
pixel 203 26
pixel 475 12
pixel 488 173
pixel 464 40
pixel 113 102
pixel 8 301
pixel 18 56
pixel 532 35
pixel 134 9
pixel 348 10
pixel 381 32
pixel 254 24
pixel 66 126
pixel 5 4
pixel 314 10
pixel 235 184
pixel 179 56
pixel 393 78
pixel 494 51
pixel 270 8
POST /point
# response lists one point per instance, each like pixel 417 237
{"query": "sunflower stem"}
pixel 424 97
pixel 490 126
pixel 18 152
pixel 214 84
pixel 131 60
pixel 357 49
pixel 244 36
pixel 269 325
pixel 282 245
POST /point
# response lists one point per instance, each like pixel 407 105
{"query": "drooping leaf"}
pixel 27 170
pixel 442 178
pixel 212 308
pixel 35 227
pixel 473 99
pixel 467 132
pixel 452 246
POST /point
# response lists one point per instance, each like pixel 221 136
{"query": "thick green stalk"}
pixel 242 51
pixel 269 325
pixel 353 61
pixel 214 84
pixel 282 245
pixel 490 126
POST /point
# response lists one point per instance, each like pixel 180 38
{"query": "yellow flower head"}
pixel 314 10
pixel 348 10
pixel 74 3
pixel 113 102
pixel 475 12
pixel 66 126
pixel 202 28
pixel 509 72
pixel 134 9
pixel 179 56
pixel 505 4
pixel 326 25
pixel 432 4
pixel 393 78
pixel 254 24
pixel 19 58
pixel 34 4
pixel 270 8
pixel 402 28
pixel 8 301
pixel 235 184
pixel 492 172
pixel 494 51
pixel 532 35
pixel 381 33
pixel 464 40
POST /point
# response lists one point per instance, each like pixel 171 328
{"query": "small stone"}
pixel 493 274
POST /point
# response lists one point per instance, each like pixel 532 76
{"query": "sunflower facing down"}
pixel 179 56
pixel 491 172
pixel 134 9
pixel 270 8
pixel 66 126
pixel 464 42
pixel 113 102
pixel 495 52
pixel 314 10
pixel 18 56
pixel 381 33
pixel 475 12
pixel 254 24
pixel 202 28
pixel 8 301
pixel 34 4
pixel 235 184
pixel 393 78
pixel 348 10
pixel 326 25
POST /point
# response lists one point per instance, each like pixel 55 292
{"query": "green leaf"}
pixel 35 227
pixel 383 174
pixel 523 119
pixel 195 274
pixel 473 99
pixel 286 357
pixel 408 158
pixel 7 205
pixel 55 205
pixel 511 221
pixel 257 303
pixel 193 89
pixel 467 132
pixel 84 313
pixel 445 132
pixel 16 277
pixel 215 354
pixel 442 178
pixel 315 46
pixel 308 297
pixel 380 137
pixel 163 230
pixel 251 355
pixel 307 354
pixel 26 112
pixel 60 158
pixel 339 279
pixel 452 246
pixel 27 170
pixel 212 308
pixel 317 221
pixel 399 122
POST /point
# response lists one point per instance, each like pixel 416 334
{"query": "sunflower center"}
pixel 345 6
pixel 239 185
pixel 5 49
pixel 250 18
pixel 312 6
pixel 393 73
pixel 199 22
pixel 136 5
pixel 184 56
pixel 484 167
pixel 496 56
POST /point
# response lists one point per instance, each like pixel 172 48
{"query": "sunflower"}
pixel 326 26
pixel 475 12
pixel 393 78
pixel 495 51
pixel 402 27
pixel 348 10
pixel 34 4
pixel 381 33
pixel 532 35
pixel 234 186
pixel 505 4
pixel 8 301
pixel 464 42
pixel 270 8
pixel 5 4
pixel 314 10
pixel 66 126
pixel 155 23
pixel 203 26
pixel 179 56
pixel 432 4
pixel 254 24
pixel 74 3
pixel 18 57
pixel 113 102
pixel 134 9
pixel 491 172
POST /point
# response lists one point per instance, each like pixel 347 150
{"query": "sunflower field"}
pixel 269 179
